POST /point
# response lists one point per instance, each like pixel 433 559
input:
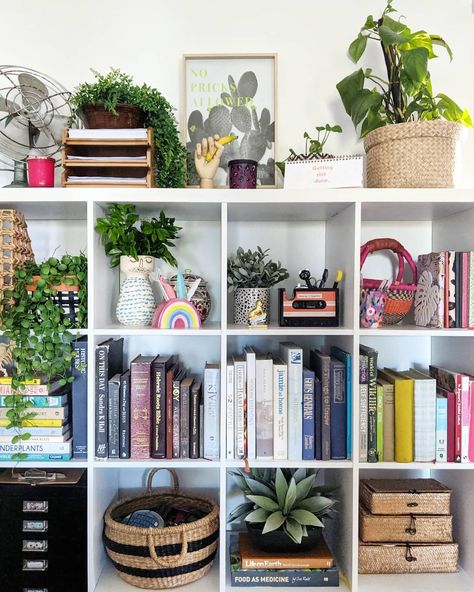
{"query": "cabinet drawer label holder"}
pixel 39 546
pixel 35 526
pixel 35 564
pixel 35 506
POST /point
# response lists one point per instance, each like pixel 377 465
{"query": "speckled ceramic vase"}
pixel 244 302
pixel 136 303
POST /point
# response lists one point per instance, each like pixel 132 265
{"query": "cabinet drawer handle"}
pixel 37 545
pixel 35 506
pixel 35 564
pixel 35 526
pixel 412 504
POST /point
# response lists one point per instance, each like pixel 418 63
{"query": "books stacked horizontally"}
pixel 58 430
pixel 278 408
pixel 445 291
pixel 249 566
pixel 414 416
pixel 154 409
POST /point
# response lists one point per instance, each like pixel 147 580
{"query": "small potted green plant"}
pixel 114 100
pixel 134 244
pixel 285 510
pixel 411 135
pixel 250 275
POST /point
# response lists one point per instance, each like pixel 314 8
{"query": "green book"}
pixel 379 422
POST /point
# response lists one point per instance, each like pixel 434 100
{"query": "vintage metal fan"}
pixel 34 109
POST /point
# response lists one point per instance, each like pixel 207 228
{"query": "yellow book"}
pixel 8 380
pixel 404 413
pixel 35 423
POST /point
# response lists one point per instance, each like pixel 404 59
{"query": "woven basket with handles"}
pixel 160 558
pixel 401 295
pixel 415 154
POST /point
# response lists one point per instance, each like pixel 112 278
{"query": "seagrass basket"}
pixel 160 558
pixel 379 528
pixel 392 558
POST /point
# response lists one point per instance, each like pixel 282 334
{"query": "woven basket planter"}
pixel 160 558
pixel 405 558
pixel 417 154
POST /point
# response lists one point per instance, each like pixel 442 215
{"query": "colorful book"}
pixel 211 398
pixel 32 458
pixel 451 422
pixel 196 396
pixel 280 409
pixel 425 415
pixel 159 368
pixel 337 390
pixel 250 360
pixel 431 273
pixel 388 419
pixel 404 414
pixel 318 419
pixel 380 456
pixel 240 409
pixel 308 414
pixel 465 290
pixel 372 355
pixel 230 404
pixel 46 448
pixel 441 428
pixel 170 374
pixel 264 408
pixel 176 417
pixel 140 407
pixel 124 416
pixel 450 308
pixel 458 280
pixel 42 412
pixel 363 406
pixel 42 401
pixel 470 304
pixel 320 363
pixel 31 390
pixel 35 423
pixel 185 402
pixel 79 398
pixel 471 419
pixel 292 354
pixel 346 357
pixel 113 399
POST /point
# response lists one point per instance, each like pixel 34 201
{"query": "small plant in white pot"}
pixel 411 135
pixel 250 275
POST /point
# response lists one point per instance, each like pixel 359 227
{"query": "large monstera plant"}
pixel 239 115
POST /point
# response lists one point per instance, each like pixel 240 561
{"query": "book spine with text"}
pixel 185 396
pixel 211 411
pixel 124 421
pixel 140 407
pixel 196 393
pixel 158 404
pixel 346 357
pixel 470 306
pixel 40 401
pixel 337 381
pixel 441 428
pixel 79 399
pixel 320 363
pixel 240 406
pixel 308 415
pixel 264 411
pixel 380 423
pixel 176 417
pixel 318 419
pixel 372 408
pixel 101 385
pixel 363 406
pixel 250 358
pixel 170 374
pixel 293 356
pixel 280 410
pixel 230 435
pixel 113 414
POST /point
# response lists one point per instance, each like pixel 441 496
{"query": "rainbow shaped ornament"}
pixel 176 313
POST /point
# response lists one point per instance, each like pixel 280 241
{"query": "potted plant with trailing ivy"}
pixel 114 100
pixel 285 511
pixel 39 331
pixel 134 244
pixel 411 133
pixel 250 275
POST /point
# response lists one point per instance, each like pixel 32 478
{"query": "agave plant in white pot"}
pixel 285 510
pixel 250 275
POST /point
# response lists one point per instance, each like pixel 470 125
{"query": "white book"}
pixel 211 411
pixel 441 428
pixel 139 133
pixel 292 354
pixel 250 357
pixel 264 405
pixel 230 440
pixel 27 447
pixel 240 398
pixel 64 438
pixel 280 410
pixel 424 388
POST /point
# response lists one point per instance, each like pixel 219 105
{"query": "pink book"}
pixel 471 419
pixel 451 431
pixel 140 407
pixel 465 291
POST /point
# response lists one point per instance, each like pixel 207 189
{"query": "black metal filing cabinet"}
pixel 43 532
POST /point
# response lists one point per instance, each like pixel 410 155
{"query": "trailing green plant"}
pixel 282 499
pixel 313 147
pixel 121 234
pixel 117 87
pixel 251 269
pixel 39 331
pixel 406 94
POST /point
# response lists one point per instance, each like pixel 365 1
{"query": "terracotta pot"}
pixel 98 117
pixel 60 287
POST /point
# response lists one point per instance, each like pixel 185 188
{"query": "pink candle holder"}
pixel 40 171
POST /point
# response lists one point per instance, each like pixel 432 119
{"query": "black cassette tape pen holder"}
pixel 312 304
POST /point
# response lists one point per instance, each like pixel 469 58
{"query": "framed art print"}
pixel 232 95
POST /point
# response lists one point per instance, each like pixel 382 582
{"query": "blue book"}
pixel 346 357
pixel 79 399
pixel 441 427
pixel 41 400
pixel 308 414
pixel 337 392
pixel 318 419
pixel 38 457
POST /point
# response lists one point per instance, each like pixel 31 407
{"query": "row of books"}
pixel 445 290
pixel 278 408
pixel 154 409
pixel 250 566
pixel 414 416
pixel 57 430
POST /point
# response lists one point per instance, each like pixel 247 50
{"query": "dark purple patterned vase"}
pixel 243 174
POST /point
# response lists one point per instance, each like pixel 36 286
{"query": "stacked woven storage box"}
pixel 405 526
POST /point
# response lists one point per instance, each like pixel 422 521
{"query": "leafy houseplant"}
pixel 39 330
pixel 115 88
pixel 250 274
pixel 314 147
pixel 404 96
pixel 121 236
pixel 284 502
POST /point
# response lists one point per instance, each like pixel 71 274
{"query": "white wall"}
pixel 147 38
